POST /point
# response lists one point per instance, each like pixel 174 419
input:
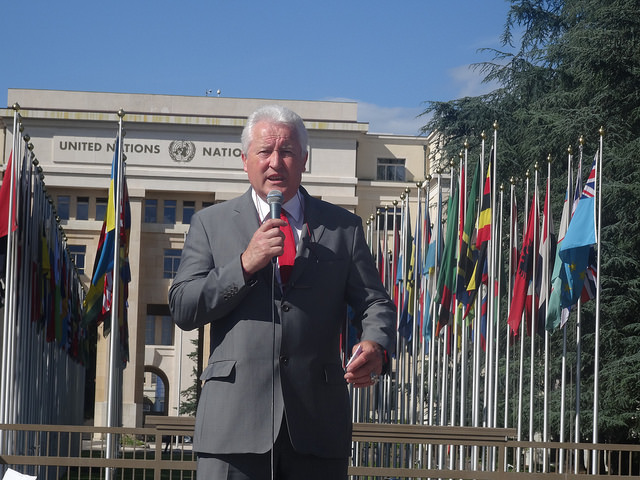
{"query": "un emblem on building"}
pixel 182 151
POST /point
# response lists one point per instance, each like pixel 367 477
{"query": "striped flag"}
pixel 429 270
pixel 97 304
pixel 483 235
pixel 447 275
pixel 467 248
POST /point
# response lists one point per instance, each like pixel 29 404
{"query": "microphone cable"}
pixel 275 200
pixel 273 365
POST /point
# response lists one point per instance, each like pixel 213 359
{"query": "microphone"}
pixel 274 199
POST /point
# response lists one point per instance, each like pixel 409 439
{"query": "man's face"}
pixel 274 160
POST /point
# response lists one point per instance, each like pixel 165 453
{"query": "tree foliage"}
pixel 566 69
pixel 191 394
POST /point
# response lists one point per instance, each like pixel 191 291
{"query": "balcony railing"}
pixel 163 450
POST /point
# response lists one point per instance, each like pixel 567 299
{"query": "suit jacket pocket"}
pixel 334 374
pixel 219 370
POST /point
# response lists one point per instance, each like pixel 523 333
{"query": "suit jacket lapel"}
pixel 245 218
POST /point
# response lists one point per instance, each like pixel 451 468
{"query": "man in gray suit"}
pixel 275 402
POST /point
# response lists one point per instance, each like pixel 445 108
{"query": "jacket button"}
pixel 286 308
pixel 284 360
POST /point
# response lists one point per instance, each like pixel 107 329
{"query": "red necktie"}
pixel 285 261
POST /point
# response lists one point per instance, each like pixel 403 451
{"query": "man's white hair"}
pixel 275 114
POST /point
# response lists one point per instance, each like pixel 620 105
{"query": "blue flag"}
pixel 576 246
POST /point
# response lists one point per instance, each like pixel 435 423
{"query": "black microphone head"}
pixel 274 199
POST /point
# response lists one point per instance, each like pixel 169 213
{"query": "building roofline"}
pixel 182 105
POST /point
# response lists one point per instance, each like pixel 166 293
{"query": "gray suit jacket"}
pixel 333 268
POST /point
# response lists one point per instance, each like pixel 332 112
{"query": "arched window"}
pixel 156 391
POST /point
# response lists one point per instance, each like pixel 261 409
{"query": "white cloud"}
pixel 468 81
pixel 395 120
pixel 389 120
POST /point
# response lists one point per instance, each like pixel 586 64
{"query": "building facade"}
pixel 183 154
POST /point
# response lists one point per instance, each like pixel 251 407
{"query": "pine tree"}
pixel 567 68
pixel 191 394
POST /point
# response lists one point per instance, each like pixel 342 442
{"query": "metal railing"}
pixel 162 450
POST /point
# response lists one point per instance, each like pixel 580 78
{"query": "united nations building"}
pixel 182 154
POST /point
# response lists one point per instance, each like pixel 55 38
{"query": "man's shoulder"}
pixel 224 207
pixel 332 211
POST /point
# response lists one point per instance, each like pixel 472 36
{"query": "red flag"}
pixel 524 271
pixel 5 200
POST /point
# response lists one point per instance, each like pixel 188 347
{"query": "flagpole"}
pixel 30 360
pixel 563 381
pixel 424 305
pixel 376 249
pixel 385 247
pixel 491 282
pixel 498 284
pixel 534 310
pixel 113 410
pixel 444 380
pixel 512 242
pixel 8 361
pixel 417 253
pixel 522 332
pixel 392 263
pixel 432 307
pixel 400 360
pixel 454 326
pixel 596 360
pixel 475 395
pixel 393 386
pixel 464 335
pixel 368 236
pixel 578 379
pixel 545 293
pixel 406 369
pixel 24 357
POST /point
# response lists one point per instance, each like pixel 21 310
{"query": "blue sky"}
pixel 390 57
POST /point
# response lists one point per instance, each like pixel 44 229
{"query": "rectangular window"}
pixel 150 330
pixel 158 330
pixel 188 209
pixel 169 211
pixel 150 210
pixel 207 204
pixel 171 262
pixel 101 208
pixel 62 209
pixel 166 330
pixel 159 325
pixel 391 169
pixel 82 208
pixel 78 253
